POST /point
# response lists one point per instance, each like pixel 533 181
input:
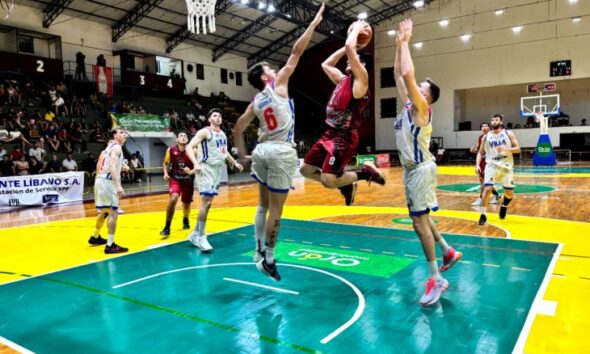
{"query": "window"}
pixel 387 78
pixel 388 107
pixel 25 44
pixel 224 76
pixel 238 78
pixel 200 72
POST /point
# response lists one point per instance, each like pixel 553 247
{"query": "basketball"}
pixel 364 37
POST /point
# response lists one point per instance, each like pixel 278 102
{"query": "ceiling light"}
pixel 418 45
pixel 391 32
pixel 499 12
pixel 516 29
pixel 443 23
pixel 465 37
pixel 261 5
pixel 244 2
pixel 271 7
pixel 573 1
pixel 576 19
pixel 362 16
pixel 418 4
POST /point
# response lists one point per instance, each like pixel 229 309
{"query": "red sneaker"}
pixel 450 259
pixel 348 192
pixel 376 175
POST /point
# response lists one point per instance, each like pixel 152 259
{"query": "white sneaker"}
pixel 434 289
pixel 494 200
pixel 203 244
pixel 193 237
pixel 477 202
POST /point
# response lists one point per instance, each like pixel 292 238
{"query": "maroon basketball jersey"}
pixel 178 161
pixel 344 111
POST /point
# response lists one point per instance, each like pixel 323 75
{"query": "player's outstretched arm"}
pixel 515 149
pixel 397 68
pixel 239 128
pixel 282 80
pixel 359 71
pixel 165 164
pixel 421 117
pixel 479 156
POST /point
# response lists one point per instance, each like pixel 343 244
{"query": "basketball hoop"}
pixel 200 12
pixel 6 6
pixel 539 116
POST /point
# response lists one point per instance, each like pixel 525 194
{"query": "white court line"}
pixel 13 345
pixel 158 245
pixel 547 308
pixel 357 314
pixel 263 286
pixel 535 308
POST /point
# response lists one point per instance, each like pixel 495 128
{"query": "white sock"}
pixel 270 255
pixel 110 240
pixel 259 226
pixel 433 267
pixel 484 210
pixel 443 245
pixel 200 228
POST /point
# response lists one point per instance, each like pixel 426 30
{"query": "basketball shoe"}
pixel 114 248
pixel 375 174
pixel 258 255
pixel 434 289
pixel 503 211
pixel 477 202
pixel 96 241
pixel 269 269
pixel 483 219
pixel 348 192
pixel 201 242
pixel 165 232
pixel 185 224
pixel 450 259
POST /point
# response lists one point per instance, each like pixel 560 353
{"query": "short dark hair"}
pixel 498 115
pixel 484 123
pixel 254 75
pixel 214 110
pixel 434 91
pixel 115 130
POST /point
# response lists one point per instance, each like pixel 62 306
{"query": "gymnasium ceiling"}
pixel 241 29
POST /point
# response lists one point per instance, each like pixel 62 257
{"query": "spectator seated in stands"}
pixel 136 168
pixel 64 138
pixel 126 173
pixel 38 153
pixel 2 150
pixel 69 164
pixel 50 136
pixel 583 122
pixel 10 136
pixel 54 166
pixel 35 167
pixel 78 140
pixel 21 166
pixel 6 166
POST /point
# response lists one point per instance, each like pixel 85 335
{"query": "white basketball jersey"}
pixel 492 141
pixel 106 162
pixel 276 115
pixel 413 142
pixel 213 151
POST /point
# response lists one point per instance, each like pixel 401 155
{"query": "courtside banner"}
pixel 141 122
pixel 49 188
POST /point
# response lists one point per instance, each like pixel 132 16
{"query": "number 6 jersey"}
pixel 276 115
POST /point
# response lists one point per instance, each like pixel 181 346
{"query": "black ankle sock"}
pixel 168 224
pixel 495 192
pixel 184 220
pixel 506 201
pixel 363 175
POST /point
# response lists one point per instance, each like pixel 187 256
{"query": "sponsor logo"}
pixel 51 198
pixel 14 202
pixel 544 149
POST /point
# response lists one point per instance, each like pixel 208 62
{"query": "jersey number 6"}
pixel 270 118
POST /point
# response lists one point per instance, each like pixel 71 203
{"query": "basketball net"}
pixel 543 122
pixel 6 6
pixel 200 12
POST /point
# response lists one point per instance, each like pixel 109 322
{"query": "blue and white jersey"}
pixel 103 171
pixel 413 142
pixel 495 158
pixel 213 150
pixel 276 115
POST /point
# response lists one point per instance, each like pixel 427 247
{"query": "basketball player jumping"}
pixel 498 147
pixel 327 158
pixel 413 129
pixel 274 160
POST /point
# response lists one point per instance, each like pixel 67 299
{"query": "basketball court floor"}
pixel 352 276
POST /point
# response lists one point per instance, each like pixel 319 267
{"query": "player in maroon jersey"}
pixel 178 172
pixel 327 158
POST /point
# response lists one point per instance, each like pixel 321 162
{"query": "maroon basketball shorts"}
pixel 333 151
pixel 184 187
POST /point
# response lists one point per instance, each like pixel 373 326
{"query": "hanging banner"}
pixel 141 122
pixel 49 188
pixel 383 160
pixel 103 76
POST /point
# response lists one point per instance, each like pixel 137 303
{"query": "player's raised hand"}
pixel 319 16
pixel 405 30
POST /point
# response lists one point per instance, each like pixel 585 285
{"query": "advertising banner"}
pixel 49 188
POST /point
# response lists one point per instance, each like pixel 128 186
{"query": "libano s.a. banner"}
pixel 544 155
pixel 48 188
pixel 141 122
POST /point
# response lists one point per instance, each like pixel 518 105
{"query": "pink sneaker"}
pixel 376 175
pixel 434 290
pixel 450 259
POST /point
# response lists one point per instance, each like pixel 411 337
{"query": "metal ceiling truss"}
pixel 238 38
pixel 53 10
pixel 133 17
pixel 394 10
pixel 275 46
pixel 183 33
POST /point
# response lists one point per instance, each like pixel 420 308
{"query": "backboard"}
pixel 548 105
